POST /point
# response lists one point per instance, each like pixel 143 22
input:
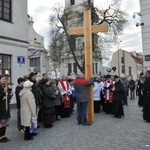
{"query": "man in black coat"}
pixel 146 91
pixel 118 93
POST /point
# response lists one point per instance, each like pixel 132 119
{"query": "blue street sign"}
pixel 20 59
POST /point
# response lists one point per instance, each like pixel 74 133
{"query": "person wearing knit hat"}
pixel 4 110
pixel 28 108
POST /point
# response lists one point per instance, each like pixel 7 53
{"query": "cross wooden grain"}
pixel 87 31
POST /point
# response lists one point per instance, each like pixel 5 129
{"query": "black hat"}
pixel 1 76
pixel 115 77
pixel 32 74
pixel 108 76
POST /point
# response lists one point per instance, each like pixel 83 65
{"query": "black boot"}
pixel 27 135
pixel 4 139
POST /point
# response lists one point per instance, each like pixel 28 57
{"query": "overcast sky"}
pixel 40 10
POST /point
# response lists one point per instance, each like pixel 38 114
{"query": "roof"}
pixel 138 57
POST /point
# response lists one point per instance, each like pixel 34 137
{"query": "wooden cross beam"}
pixel 87 30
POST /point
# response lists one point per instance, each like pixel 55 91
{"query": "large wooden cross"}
pixel 87 30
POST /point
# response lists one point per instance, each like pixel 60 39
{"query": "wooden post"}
pixel 88 60
pixel 87 30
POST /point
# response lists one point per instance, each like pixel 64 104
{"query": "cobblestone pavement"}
pixel 106 133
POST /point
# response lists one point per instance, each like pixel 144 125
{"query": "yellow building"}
pixel 127 63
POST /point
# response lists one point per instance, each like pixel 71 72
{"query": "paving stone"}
pixel 106 133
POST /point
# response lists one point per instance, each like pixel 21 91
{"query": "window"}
pixel 5 10
pixel 96 68
pixel 72 2
pixel 147 57
pixel 74 68
pixel 5 66
pixel 122 60
pixel 123 69
pixel 35 62
pixel 69 69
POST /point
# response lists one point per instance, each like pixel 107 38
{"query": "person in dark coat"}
pixel 118 93
pixel 140 91
pixel 125 83
pixel 58 100
pixel 48 103
pixel 132 88
pixel 146 92
pixel 38 101
pixel 81 89
pixel 19 87
pixel 4 110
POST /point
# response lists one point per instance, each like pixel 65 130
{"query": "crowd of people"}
pixel 50 100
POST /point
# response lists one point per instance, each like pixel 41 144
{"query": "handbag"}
pixel 33 125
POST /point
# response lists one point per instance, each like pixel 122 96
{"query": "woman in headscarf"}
pixel 5 96
pixel 48 103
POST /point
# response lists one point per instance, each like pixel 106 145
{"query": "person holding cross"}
pixel 5 96
pixel 82 97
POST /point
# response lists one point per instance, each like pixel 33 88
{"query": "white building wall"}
pixel 145 18
pixel 18 27
pixel 13 40
pixel 36 42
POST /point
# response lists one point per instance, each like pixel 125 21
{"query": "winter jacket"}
pixel 28 106
pixel 17 91
pixel 58 100
pixel 81 89
pixel 118 93
pixel 125 83
pixel 48 96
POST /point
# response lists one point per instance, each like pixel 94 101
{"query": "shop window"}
pixel 5 66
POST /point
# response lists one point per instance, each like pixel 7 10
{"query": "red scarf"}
pixel 66 98
pixel 110 93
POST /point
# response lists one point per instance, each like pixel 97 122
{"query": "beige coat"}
pixel 28 107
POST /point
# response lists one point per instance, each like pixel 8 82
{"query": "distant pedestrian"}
pixel 125 83
pixel 81 89
pixel 19 87
pixel 132 88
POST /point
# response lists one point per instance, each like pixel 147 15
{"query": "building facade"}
pixel 36 51
pixel 127 63
pixel 69 66
pixel 18 42
pixel 13 39
pixel 145 25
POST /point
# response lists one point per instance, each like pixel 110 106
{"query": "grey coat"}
pixel 125 83
pixel 58 100
pixel 81 89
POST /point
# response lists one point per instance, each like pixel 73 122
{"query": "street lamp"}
pixel 118 58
